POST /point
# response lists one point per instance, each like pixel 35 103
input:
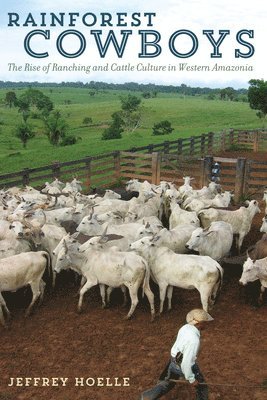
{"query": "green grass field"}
pixel 189 116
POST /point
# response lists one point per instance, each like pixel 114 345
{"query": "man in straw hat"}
pixel 182 363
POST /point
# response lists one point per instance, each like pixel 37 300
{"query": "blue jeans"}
pixel 173 371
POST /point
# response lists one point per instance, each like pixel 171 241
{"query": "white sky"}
pixel 171 16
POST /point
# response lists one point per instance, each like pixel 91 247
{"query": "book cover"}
pixel 195 46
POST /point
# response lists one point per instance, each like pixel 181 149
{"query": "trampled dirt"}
pixel 56 342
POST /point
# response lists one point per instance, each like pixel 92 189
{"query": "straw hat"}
pixel 198 315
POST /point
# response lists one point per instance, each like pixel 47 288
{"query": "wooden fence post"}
pixel 155 164
pixel 88 173
pixel 25 176
pixel 239 178
pixel 256 141
pixel 180 146
pixel 207 167
pixel 166 148
pixel 192 145
pixel 150 148
pixel 56 169
pixel 117 165
pixel 210 141
pixel 231 137
pixel 202 144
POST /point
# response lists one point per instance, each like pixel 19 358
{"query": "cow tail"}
pixel 47 256
pixel 147 276
pixel 218 285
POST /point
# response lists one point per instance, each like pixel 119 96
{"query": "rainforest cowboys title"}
pixel 107 32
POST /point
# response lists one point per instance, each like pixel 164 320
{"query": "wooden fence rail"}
pixel 170 160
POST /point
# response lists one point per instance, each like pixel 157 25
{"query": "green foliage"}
pixel 68 140
pixel 228 94
pixel 130 103
pixel 162 128
pixel 130 112
pixel 24 132
pixel 10 99
pixel 115 129
pixel 257 96
pixel 55 127
pixel 34 98
pixel 87 121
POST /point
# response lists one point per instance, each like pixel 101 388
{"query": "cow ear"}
pixel 208 233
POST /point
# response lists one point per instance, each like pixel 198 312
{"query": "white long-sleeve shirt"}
pixel 188 343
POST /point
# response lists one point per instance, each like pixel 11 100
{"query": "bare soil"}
pixel 57 342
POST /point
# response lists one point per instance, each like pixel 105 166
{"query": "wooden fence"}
pixel 95 171
pixel 242 140
pixel 165 161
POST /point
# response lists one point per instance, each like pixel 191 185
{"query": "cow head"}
pixel 249 272
pixel 263 227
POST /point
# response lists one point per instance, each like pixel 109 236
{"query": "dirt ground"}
pixel 56 342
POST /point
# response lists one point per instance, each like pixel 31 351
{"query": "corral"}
pixel 57 342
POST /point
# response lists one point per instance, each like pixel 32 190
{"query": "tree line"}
pixel 182 89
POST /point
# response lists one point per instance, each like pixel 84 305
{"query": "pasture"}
pixel 189 116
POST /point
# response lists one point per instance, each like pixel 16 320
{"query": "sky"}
pixel 178 30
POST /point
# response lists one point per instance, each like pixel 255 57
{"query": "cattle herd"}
pixel 174 236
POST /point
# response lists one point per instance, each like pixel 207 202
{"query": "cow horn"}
pixel 105 231
pixel 65 246
pixel 27 223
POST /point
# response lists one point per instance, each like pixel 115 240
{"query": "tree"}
pixel 162 128
pixel 34 98
pixel 24 132
pixel 87 121
pixel 115 130
pixel 257 97
pixel 131 112
pixel 55 127
pixel 130 103
pixel 228 93
pixel 10 99
pixel 23 105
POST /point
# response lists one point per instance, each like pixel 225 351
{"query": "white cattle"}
pixel 73 187
pixel 186 188
pixel 45 237
pixel 253 270
pixel 206 192
pixel 110 194
pixel 91 227
pixel 151 207
pixel 220 200
pixel 51 189
pixel 135 186
pixel 110 268
pixel 179 216
pixel 186 271
pixel 176 238
pixel 20 270
pixel 240 219
pixel 263 227
pixel 215 242
pixel 57 215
